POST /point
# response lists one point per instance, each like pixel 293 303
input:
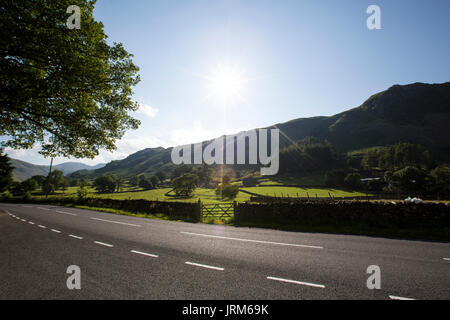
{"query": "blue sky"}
pixel 294 59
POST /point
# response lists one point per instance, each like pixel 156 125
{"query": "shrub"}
pixel 227 191
pixel 185 184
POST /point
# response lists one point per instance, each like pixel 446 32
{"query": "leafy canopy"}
pixel 68 90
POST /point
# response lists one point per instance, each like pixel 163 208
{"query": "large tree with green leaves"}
pixel 6 172
pixel 66 89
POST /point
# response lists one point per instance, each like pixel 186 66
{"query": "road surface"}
pixel 123 257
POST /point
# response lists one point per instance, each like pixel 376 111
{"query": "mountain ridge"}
pixel 24 170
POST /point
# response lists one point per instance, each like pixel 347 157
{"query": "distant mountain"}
pixel 69 167
pixel 418 113
pixel 24 170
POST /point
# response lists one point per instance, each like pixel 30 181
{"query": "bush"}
pixel 227 191
pixel 185 185
pixel 105 184
pixel 27 196
pixel 82 192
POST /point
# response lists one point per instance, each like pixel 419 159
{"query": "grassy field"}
pixel 276 191
pixel 206 195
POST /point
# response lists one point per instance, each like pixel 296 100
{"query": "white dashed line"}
pixel 103 244
pixel 30 222
pixel 204 266
pixel 64 212
pixel 57 231
pixel 249 240
pixel 400 298
pixel 76 237
pixel 297 282
pixel 23 220
pixel 145 254
pixel 111 221
pixel 43 208
pixel 41 226
pixel 446 259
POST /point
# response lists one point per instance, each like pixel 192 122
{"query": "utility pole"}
pixel 48 177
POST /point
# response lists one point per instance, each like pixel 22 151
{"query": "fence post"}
pixel 200 210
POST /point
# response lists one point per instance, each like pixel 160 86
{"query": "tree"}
pixel 335 178
pixel 40 179
pixel 185 185
pixel 29 185
pixel 353 181
pixel 17 188
pixel 56 178
pixel 144 183
pixel 105 184
pixel 64 184
pixel 134 181
pixel 155 181
pixel 48 187
pixel 68 90
pixel 120 182
pixel 161 176
pixel 6 172
pixel 409 179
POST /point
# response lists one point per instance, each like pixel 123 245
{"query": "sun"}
pixel 226 83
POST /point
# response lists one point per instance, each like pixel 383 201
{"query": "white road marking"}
pixel 145 254
pixel 23 220
pixel 249 240
pixel 111 221
pixel 204 266
pixel 64 212
pixel 27 206
pixel 43 208
pixel 76 237
pixel 103 244
pixel 57 231
pixel 297 282
pixel 446 259
pixel 30 222
pixel 41 226
pixel 400 298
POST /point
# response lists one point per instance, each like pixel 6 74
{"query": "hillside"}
pixel 417 113
pixel 24 170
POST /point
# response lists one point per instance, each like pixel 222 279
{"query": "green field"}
pixel 277 191
pixel 205 195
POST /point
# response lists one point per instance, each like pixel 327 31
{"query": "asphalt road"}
pixel 122 257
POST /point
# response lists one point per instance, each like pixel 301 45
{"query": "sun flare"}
pixel 226 83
